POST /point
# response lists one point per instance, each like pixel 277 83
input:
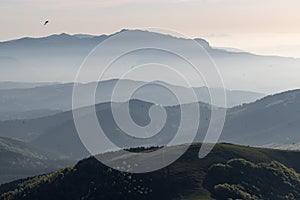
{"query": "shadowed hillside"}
pixel 89 179
pixel 19 160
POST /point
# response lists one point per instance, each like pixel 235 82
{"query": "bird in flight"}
pixel 46 22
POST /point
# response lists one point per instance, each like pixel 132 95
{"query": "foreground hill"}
pixel 20 160
pixel 187 178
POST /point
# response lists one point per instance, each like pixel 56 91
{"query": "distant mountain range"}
pixel 7 85
pixel 271 120
pixel 42 100
pixel 56 58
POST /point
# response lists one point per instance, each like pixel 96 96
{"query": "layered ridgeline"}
pixel 7 85
pixel 57 134
pixel 270 121
pixel 34 102
pixel 58 57
pixel 221 175
pixel 20 160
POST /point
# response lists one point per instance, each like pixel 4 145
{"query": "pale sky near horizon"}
pixel 263 27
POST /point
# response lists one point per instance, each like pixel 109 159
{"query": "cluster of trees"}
pixel 241 179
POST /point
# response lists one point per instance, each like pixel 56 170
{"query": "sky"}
pixel 264 27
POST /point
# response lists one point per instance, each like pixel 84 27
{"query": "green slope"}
pixel 19 160
pixel 89 179
pixel 19 147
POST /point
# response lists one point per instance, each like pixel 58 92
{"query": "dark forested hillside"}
pixel 241 179
pixel 89 179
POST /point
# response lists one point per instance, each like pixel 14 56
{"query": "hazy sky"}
pixel 260 26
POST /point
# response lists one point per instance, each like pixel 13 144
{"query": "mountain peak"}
pixel 203 43
pixel 82 37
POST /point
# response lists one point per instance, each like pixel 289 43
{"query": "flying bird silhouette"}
pixel 46 22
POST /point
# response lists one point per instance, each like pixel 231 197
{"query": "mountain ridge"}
pixel 88 37
pixel 57 58
pixel 24 103
pixel 248 125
